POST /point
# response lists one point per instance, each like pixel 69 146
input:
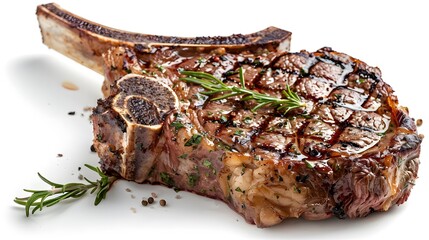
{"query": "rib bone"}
pixel 85 41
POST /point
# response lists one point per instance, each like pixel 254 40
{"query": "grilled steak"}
pixel 349 152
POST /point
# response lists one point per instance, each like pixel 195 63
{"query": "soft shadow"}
pixel 38 80
pixel 355 228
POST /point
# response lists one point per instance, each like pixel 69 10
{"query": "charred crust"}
pixel 333 155
pixel 269 35
pixel 338 211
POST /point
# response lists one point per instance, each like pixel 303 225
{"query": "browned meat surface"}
pixel 349 152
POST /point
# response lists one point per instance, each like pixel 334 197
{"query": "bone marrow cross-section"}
pixel 129 124
pixel 145 99
pixel 142 111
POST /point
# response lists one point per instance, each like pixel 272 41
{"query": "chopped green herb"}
pixel 177 125
pixel 238 189
pixel 165 178
pixel 296 189
pixel 194 140
pixel 306 116
pixel 337 167
pixel 238 132
pixel 381 134
pixel 243 170
pixel 309 164
pixel 151 171
pixel 160 68
pixel 99 137
pixel 183 156
pixel 201 61
pixel 222 145
pixel 207 163
pixel 193 179
pixel 230 73
pixel 360 80
pixel 337 97
pixel 223 119
pixel 247 120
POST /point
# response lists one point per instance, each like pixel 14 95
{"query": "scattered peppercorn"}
pixel 92 148
pixel 79 168
pixel 150 200
pixel 59 155
pixel 71 113
pixel 162 202
pixel 154 195
pixel 144 202
pixel 419 122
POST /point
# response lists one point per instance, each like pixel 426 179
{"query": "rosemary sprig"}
pixel 213 85
pixel 59 192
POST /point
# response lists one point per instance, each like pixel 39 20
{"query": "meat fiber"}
pixel 349 152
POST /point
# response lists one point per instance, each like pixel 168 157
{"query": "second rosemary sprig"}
pixel 60 192
pixel 213 85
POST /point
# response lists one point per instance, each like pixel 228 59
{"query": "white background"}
pixel 35 126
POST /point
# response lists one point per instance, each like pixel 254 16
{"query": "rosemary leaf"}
pixel 60 192
pixel 290 99
pixel 241 75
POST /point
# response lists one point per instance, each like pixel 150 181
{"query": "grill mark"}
pixel 261 128
pixel 345 123
pixel 257 80
pixel 272 149
pixel 345 143
pixel 326 59
pixel 371 91
pixel 365 74
pixel 298 136
pixel 336 136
